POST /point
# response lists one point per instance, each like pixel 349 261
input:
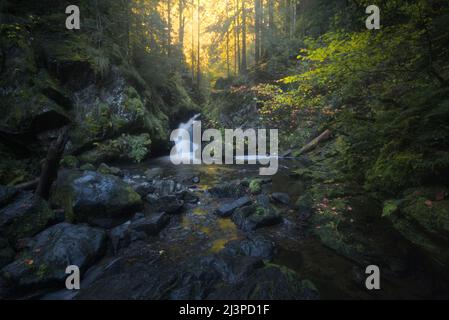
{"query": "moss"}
pixel 42 271
pixel 390 207
pixel 127 147
pixel 70 162
pixel 87 167
pixel 255 186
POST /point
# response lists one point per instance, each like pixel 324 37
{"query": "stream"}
pixel 197 233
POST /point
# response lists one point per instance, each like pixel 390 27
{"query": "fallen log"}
pixel 325 136
pixel 29 185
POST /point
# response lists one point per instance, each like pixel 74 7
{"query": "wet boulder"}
pixel 254 216
pixel 228 208
pixel 139 229
pixel 25 216
pixel 253 245
pixel 46 257
pixel 100 200
pixel 188 196
pixel 144 188
pixel 105 169
pixel 233 189
pixel 169 204
pixel 233 269
pixel 153 173
pixel 271 282
pixel 280 197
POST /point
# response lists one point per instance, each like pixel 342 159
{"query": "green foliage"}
pixel 126 147
pixel 384 93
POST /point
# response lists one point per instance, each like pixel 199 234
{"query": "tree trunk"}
pixel 228 67
pixel 257 25
pixel 237 28
pixel 168 27
pixel 271 16
pixel 181 24
pixel 326 135
pixel 244 63
pixel 198 76
pixel 50 166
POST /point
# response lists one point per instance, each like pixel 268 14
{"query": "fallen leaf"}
pixel 29 262
pixel 428 203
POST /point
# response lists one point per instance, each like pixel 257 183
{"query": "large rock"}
pixel 24 216
pixel 164 187
pixel 272 282
pixel 280 197
pixel 254 216
pixel 253 246
pixel 228 208
pixel 169 204
pixel 233 189
pixel 100 200
pixel 139 229
pixel 48 254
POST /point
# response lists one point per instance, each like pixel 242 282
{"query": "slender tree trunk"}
pixel 168 27
pixel 181 24
pixel 128 30
pixel 239 57
pixel 198 76
pixel 271 16
pixel 228 66
pixel 294 15
pixel 193 44
pixel 244 63
pixel 262 29
pixel 257 25
pixel 236 65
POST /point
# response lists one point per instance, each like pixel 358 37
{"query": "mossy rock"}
pixel 101 200
pixel 422 217
pixel 25 216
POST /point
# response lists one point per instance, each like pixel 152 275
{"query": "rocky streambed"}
pixel 159 231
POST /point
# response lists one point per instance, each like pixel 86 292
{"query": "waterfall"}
pixel 184 144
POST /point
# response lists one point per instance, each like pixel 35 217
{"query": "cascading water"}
pixel 187 144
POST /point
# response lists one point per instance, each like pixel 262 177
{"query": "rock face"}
pixel 100 200
pixel 254 216
pixel 227 209
pixel 24 216
pixel 48 254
